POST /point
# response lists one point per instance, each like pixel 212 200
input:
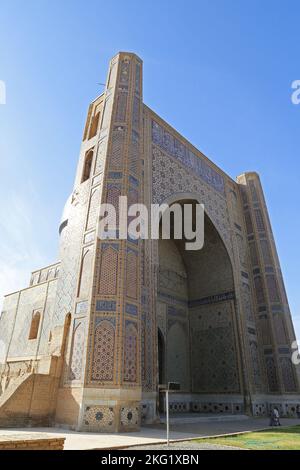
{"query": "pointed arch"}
pixel 87 166
pixel 34 326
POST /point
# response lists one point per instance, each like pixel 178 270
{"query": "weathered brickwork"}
pixel 32 443
pixel 95 336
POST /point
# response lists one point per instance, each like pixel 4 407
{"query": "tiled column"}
pixel 274 319
pixel 112 391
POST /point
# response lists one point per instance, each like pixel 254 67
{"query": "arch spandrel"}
pixel 191 196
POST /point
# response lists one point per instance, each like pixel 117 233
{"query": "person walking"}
pixel 277 416
pixel 274 417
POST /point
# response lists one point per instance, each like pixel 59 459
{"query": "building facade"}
pixel 93 339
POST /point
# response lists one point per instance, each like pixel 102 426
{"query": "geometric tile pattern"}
pixel 131 274
pixel 98 418
pixel 272 288
pixel 176 149
pixel 129 416
pixel 121 106
pixel 85 273
pixel 77 354
pixel 214 365
pixel 288 374
pixel 136 112
pixel 108 271
pixel 130 352
pixel 113 194
pixel 103 353
pixel 259 220
pixel 134 152
pixel 255 363
pixel 247 304
pixel 259 290
pixel 93 209
pixel 266 252
pixel 272 374
pixel 280 328
pixel 117 147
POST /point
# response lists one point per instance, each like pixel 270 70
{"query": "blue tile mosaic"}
pixel 176 149
pixel 131 309
pixel 105 305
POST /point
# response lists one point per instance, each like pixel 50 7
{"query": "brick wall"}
pixel 33 444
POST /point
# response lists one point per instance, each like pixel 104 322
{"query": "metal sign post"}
pixel 167 416
pixel 171 386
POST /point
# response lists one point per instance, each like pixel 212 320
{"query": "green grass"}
pixel 273 439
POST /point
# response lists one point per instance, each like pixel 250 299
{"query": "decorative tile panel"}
pixel 99 418
pixel 186 157
pixel 77 355
pixel 104 351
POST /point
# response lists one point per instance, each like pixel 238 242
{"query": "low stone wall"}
pixel 28 401
pixel 31 443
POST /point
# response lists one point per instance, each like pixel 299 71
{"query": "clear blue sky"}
pixel 219 71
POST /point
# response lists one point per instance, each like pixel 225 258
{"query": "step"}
pixel 186 418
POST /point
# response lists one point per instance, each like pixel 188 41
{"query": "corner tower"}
pixel 100 282
pixel 272 310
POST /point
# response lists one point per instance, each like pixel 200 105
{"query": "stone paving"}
pixel 155 434
pixel 185 445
